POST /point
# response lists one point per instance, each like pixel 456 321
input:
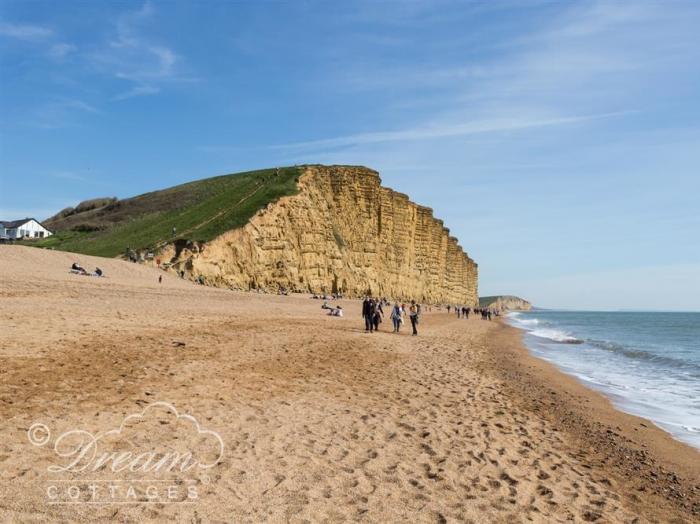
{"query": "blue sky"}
pixel 560 141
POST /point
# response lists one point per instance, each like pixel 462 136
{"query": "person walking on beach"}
pixel 448 308
pixel 396 316
pixel 160 279
pixel 367 314
pixel 413 315
pixel 377 314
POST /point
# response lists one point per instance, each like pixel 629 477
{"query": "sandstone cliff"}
pixel 343 232
pixel 505 303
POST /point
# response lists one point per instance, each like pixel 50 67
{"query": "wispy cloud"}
pixel 133 57
pixel 41 36
pixel 68 175
pixel 29 33
pixel 475 127
pixel 600 48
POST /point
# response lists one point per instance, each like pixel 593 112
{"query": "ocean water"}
pixel 648 364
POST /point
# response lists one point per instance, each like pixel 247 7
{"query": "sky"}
pixel 559 141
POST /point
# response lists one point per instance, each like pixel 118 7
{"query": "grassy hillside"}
pixel 200 211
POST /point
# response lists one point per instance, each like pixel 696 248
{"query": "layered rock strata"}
pixel 343 232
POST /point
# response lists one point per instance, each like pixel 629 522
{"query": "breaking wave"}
pixel 556 335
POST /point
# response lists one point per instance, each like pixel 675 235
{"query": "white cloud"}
pixel 29 33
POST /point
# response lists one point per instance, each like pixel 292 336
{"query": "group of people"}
pixel 373 314
pixel 460 311
pixel 464 312
pixel 486 313
pixel 334 296
pixel 80 270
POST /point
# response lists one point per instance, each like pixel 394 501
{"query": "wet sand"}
pixel 320 421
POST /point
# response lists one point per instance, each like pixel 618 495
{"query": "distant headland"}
pixel 505 303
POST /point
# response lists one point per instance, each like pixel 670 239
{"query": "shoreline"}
pixel 647 459
pixel 602 365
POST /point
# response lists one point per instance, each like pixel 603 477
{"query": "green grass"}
pixel 200 210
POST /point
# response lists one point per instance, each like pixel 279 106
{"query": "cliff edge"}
pixel 342 232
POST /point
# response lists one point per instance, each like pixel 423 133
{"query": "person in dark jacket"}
pixel 367 314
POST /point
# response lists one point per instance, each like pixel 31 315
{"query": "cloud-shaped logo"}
pixel 156 440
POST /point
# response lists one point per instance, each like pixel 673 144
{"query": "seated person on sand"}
pixel 336 311
pixel 325 305
pixel 98 272
pixel 78 268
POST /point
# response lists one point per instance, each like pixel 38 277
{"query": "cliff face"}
pixel 343 232
pixel 505 303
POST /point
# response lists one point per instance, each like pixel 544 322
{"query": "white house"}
pixel 19 229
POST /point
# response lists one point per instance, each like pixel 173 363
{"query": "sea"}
pixel 646 363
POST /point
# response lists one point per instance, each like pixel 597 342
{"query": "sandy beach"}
pixel 320 421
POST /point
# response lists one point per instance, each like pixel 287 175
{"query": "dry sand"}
pixel 321 422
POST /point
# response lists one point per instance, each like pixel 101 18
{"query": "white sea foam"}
pixel 516 318
pixel 531 325
pixel 556 335
pixel 528 321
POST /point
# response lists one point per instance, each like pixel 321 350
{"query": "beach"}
pixel 319 421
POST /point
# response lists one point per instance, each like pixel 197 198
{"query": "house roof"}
pixel 11 224
pixel 15 223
